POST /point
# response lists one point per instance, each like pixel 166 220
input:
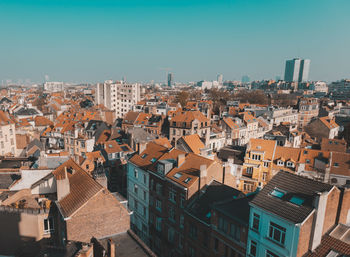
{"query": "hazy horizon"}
pixel 92 41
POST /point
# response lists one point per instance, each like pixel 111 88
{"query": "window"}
pixel 144 179
pixel 307 160
pixel 193 231
pixel 171 234
pixel 153 160
pixel 280 163
pixel 187 180
pixel 48 225
pixel 136 204
pixel 159 189
pixel 177 175
pixel 336 164
pixel 249 170
pixel 266 164
pixel 252 250
pixel 223 225
pixel 290 164
pixel 159 224
pixel 297 200
pixel 248 187
pixel 158 205
pixel 264 176
pixel 144 211
pixel 216 244
pixel 172 214
pixel 191 251
pixel 256 221
pixel 144 195
pixel 256 157
pixel 182 201
pixel 235 232
pixel 136 188
pixel 182 221
pixel 136 174
pixel 277 193
pixel 172 196
pixel 277 233
pixel 180 242
pixel 270 254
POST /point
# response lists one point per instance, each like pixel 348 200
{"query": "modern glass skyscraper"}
pixel 170 79
pixel 297 70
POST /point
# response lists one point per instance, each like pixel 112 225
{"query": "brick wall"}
pixel 305 236
pixel 345 208
pixel 331 210
pixel 102 216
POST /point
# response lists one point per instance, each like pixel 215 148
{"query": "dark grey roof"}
pixel 141 135
pixel 70 250
pixel 5 99
pixel 26 111
pixel 226 153
pixel 35 142
pixel 237 209
pixel 6 179
pixel 214 192
pixel 292 185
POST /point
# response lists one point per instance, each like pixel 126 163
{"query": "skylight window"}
pixel 277 193
pixel 187 180
pixel 178 175
pixel 144 156
pixel 297 200
pixel 153 160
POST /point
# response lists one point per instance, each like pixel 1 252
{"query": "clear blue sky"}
pixel 95 40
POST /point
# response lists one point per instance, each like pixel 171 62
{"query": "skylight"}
pixel 297 200
pixel 178 175
pixel 144 156
pixel 187 180
pixel 277 193
pixel 153 160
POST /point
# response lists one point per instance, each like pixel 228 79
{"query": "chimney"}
pixel 180 159
pixel 203 170
pixel 111 248
pixel 320 205
pixel 142 147
pixel 63 187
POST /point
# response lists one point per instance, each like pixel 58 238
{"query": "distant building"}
pixel 54 86
pixel 220 78
pixel 118 96
pixel 170 79
pixel 245 79
pixel 297 70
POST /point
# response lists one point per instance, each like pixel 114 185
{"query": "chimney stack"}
pixel 180 159
pixel 63 186
pixel 111 248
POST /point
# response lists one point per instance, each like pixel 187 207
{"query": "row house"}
pixel 216 222
pixel 161 181
pixel 150 122
pixel 265 158
pixel 282 115
pixel 308 109
pixel 324 127
pixel 188 123
pixel 7 134
pixel 291 214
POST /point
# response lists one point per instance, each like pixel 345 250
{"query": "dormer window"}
pixel 290 164
pixel 280 163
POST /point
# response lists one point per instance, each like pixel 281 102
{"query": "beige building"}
pixel 7 135
pixel 118 96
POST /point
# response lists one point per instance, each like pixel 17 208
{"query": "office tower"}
pixel 220 78
pixel 245 79
pixel 118 96
pixel 170 79
pixel 297 70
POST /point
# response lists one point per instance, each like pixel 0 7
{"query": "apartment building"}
pixel 118 96
pixel 308 108
pixel 7 135
pixel 290 215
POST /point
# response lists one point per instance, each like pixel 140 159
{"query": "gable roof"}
pixel 194 143
pixel 82 188
pixel 292 185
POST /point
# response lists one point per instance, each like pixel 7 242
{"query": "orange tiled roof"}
pixel 194 143
pixel 42 121
pixel 330 123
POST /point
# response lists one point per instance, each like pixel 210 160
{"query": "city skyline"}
pixel 75 41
